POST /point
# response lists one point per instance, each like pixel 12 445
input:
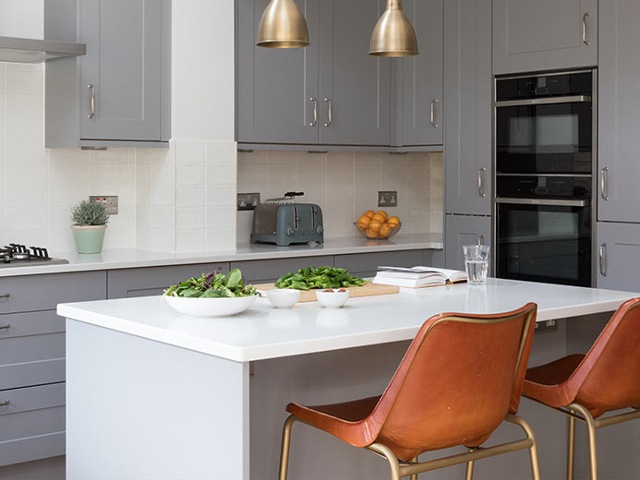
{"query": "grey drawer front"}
pixel 262 271
pixel 31 348
pixel 32 373
pixel 32 411
pixel 366 264
pixel 43 292
pixel 30 323
pixel 140 282
pixel 32 448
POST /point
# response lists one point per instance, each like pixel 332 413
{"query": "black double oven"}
pixel 545 155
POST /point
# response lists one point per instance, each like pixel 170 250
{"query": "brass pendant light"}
pixel 282 26
pixel 393 35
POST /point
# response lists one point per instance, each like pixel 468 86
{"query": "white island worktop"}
pixel 155 394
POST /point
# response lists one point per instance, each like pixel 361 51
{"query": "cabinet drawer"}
pixel 36 372
pixel 263 271
pixel 32 323
pixel 32 411
pixel 43 292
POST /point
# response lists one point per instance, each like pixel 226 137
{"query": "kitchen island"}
pixel 154 394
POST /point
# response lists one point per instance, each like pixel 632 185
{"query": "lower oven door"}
pixel 544 240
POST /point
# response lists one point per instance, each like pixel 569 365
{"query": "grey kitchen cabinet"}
pixel 268 271
pixel 148 281
pixel 329 93
pixel 618 105
pixel 32 360
pixel 468 118
pixel 420 93
pixel 465 230
pixel 120 92
pixel 544 34
pixel 618 256
pixel 366 264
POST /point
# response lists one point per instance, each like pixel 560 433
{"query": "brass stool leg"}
pixel 470 464
pixel 286 442
pixel 414 476
pixel 387 453
pixel 571 441
pixel 591 437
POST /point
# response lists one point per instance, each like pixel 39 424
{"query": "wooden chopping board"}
pixel 367 290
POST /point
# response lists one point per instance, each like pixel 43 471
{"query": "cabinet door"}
pixel 618 261
pixel 619 102
pixel 420 99
pixel 120 93
pixel 468 131
pixel 355 87
pixel 277 89
pixel 464 230
pixel 544 34
pixel 366 264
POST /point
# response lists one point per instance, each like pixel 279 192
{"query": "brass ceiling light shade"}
pixel 393 35
pixel 282 26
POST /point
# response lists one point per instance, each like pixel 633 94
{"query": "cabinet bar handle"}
pixel 603 259
pixel 585 28
pixel 5 403
pixel 314 122
pixel 481 173
pixel 5 327
pixel 604 183
pixel 92 99
pixel 329 112
pixel 5 295
pixel 432 113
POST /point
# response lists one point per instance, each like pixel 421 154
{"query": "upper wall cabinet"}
pixel 619 103
pixel 120 93
pixel 329 93
pixel 544 34
pixel 420 95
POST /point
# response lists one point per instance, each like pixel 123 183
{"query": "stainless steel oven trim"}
pixel 543 101
pixel 544 202
pixel 557 175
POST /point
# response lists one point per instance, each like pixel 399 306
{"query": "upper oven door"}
pixel 544 135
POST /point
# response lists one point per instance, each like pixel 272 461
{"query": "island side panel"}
pixel 137 408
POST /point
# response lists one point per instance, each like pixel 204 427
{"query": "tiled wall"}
pixel 346 184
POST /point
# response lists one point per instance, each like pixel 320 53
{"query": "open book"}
pixel 418 276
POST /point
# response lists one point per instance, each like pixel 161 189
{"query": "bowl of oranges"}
pixel 378 225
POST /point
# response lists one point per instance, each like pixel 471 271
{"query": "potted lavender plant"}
pixel 89 224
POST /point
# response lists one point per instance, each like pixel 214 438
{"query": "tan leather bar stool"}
pixel 460 378
pixel 585 387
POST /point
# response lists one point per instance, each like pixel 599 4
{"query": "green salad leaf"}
pixel 319 277
pixel 213 285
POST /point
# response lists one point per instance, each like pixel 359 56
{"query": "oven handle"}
pixel 543 101
pixel 539 201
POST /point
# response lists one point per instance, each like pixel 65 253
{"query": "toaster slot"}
pixel 295 218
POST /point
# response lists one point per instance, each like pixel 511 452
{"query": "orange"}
pixel 383 213
pixel 368 213
pixel 385 230
pixel 363 222
pixel 375 225
pixel 379 218
pixel 370 233
pixel 393 220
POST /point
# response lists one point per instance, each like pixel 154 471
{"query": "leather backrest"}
pixel 608 378
pixel 457 381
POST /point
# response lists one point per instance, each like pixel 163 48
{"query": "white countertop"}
pixel 135 258
pixel 264 332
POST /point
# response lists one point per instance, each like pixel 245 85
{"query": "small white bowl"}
pixel 283 297
pixel 332 298
pixel 210 307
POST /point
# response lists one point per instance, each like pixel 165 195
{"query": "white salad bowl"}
pixel 210 307
pixel 332 297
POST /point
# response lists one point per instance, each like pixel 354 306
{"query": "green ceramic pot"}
pixel 89 238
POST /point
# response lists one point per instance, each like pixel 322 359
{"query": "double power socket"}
pixel 109 201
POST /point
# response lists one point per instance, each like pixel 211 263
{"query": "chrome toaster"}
pixel 282 222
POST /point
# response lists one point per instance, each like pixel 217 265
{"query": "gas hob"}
pixel 16 255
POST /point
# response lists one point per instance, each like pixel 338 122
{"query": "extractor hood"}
pixel 28 50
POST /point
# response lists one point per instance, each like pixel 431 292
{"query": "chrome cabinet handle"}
pixel 481 174
pixel 92 100
pixel 329 112
pixel 314 122
pixel 5 295
pixel 5 327
pixel 604 183
pixel 432 113
pixel 585 29
pixel 5 403
pixel 603 259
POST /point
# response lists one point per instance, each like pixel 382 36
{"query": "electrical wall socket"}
pixel 109 201
pixel 388 199
pixel 248 201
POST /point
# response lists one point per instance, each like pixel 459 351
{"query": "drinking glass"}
pixel 476 262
